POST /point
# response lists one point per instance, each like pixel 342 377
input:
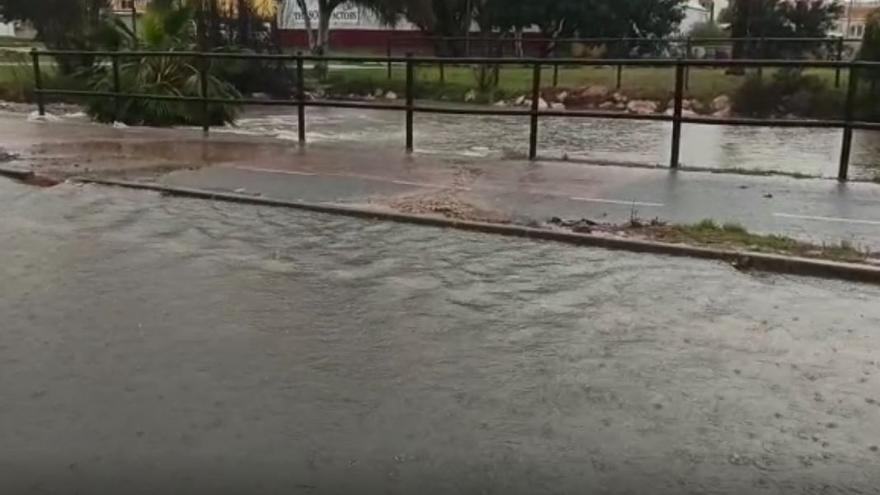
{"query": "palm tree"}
pixel 167 27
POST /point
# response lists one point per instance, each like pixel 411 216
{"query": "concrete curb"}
pixel 748 260
pixel 16 173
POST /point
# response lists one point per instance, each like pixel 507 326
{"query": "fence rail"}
pixel 757 48
pixel 848 123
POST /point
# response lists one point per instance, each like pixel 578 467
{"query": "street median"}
pixel 740 259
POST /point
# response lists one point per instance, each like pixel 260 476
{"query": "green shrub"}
pixel 165 27
pixel 868 107
pixel 871 42
pixel 787 92
pixel 160 76
pixel 257 76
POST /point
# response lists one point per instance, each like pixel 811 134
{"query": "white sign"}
pixel 291 16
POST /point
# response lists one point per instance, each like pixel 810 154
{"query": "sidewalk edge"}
pixel 746 259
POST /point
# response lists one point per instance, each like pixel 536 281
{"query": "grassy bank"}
pixel 637 82
pixel 733 236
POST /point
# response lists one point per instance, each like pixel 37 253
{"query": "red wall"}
pixel 377 41
pixel 368 40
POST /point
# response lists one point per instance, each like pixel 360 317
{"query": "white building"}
pixel 701 11
pixel 7 29
pixel 852 24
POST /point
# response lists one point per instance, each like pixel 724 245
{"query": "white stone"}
pixel 595 92
pixel 500 103
pixel 685 104
pixel 521 101
pixel 642 107
pixel 470 96
pixel 721 103
pixel 391 95
pixel 557 106
pixel 542 104
pixel 378 92
pixel 608 105
pixel 36 117
pixel 562 96
pixel 722 114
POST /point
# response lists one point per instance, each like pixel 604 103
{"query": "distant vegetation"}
pixel 247 25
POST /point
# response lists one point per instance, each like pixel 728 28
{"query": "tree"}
pixel 62 24
pixel 706 30
pixel 871 42
pixel 871 51
pixel 167 26
pixel 780 19
pixel 589 18
pixel 240 23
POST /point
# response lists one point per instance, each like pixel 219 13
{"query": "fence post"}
pixel 555 75
pixel 442 73
pixel 117 86
pixel 849 112
pixel 676 117
pixel 620 54
pixel 203 79
pixel 134 28
pixel 410 98
pixel 839 59
pixel 38 83
pixel 389 58
pixel 687 55
pixel 762 54
pixel 300 99
pixel 536 97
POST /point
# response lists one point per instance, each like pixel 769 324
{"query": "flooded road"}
pixel 813 152
pixel 159 345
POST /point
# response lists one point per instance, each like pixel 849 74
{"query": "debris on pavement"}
pixel 447 204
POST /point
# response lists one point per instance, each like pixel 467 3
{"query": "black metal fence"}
pixel 848 123
pixel 837 49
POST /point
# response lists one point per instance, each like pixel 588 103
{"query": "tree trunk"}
pixel 214 36
pixel 243 23
pixel 325 10
pixel 739 28
pixel 307 21
pixel 518 43
pixel 324 13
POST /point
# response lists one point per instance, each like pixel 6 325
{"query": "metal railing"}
pixel 839 48
pixel 847 124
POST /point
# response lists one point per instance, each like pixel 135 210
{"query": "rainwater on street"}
pixel 160 345
pixel 814 152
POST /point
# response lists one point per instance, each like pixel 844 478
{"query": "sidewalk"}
pixel 815 210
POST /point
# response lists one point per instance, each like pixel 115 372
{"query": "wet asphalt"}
pixel 159 345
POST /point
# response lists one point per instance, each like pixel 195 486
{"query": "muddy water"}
pixel 802 151
pixel 156 345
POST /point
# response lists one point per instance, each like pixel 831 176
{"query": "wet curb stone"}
pixel 17 173
pixel 747 260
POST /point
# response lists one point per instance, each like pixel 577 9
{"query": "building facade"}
pixel 7 29
pixel 852 24
pixel 128 5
